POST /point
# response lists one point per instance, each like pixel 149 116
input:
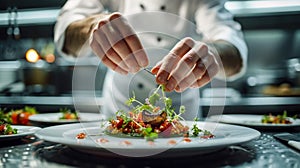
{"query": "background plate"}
pixel 250 120
pixel 22 131
pixel 53 118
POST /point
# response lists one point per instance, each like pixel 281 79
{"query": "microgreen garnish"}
pixel 149 135
pixel 207 133
pixel 4 117
pixel 31 110
pixel 154 98
pixel 196 130
pixel 150 104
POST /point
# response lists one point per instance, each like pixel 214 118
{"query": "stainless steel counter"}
pixel 262 152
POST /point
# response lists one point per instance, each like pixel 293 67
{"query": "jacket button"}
pixel 163 7
pixel 158 39
pixel 140 86
pixel 142 6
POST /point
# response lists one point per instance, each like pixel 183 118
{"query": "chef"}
pixel 185 43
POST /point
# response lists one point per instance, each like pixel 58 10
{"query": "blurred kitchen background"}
pixel 31 72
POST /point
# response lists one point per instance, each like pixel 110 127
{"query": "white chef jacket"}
pixel 159 24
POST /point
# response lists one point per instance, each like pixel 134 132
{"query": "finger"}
pixel 122 25
pixel 105 60
pixel 171 60
pixel 120 47
pixel 197 72
pixel 101 38
pixel 185 66
pixel 155 69
pixel 207 77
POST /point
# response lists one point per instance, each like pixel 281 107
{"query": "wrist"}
pixel 78 32
pixel 229 57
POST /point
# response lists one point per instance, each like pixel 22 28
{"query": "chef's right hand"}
pixel 117 45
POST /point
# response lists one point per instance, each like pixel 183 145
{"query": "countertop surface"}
pixel 262 152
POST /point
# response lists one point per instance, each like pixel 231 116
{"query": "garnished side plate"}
pixel 53 118
pixel 22 132
pixel 250 120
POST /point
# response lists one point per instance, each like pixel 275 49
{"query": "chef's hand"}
pixel 117 45
pixel 189 64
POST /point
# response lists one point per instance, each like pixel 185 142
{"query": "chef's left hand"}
pixel 189 64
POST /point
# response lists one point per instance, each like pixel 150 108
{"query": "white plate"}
pixel 225 135
pixel 53 118
pixel 250 120
pixel 22 131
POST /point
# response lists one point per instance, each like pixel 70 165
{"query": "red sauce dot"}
pixel 172 142
pixel 126 143
pixel 151 143
pixel 187 140
pixel 102 140
pixel 81 135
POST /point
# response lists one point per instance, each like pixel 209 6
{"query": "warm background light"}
pixel 32 55
pixel 50 58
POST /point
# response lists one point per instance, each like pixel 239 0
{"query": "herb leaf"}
pixel 154 98
pixel 196 130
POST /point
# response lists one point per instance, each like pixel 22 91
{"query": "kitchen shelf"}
pixel 32 17
pixel 240 9
pixel 262 7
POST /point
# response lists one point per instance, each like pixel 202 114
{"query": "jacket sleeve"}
pixel 72 11
pixel 217 23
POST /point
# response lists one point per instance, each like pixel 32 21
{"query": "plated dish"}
pixel 98 143
pixel 22 131
pixel 152 118
pixel 149 128
pixel 55 118
pixel 251 120
pixel 17 116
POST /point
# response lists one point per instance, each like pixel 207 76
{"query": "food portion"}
pixel 21 116
pixel 68 114
pixel 278 119
pixel 5 127
pixel 154 118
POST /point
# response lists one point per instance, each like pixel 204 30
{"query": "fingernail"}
pixel 154 70
pixel 144 63
pixel 170 86
pixel 162 78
